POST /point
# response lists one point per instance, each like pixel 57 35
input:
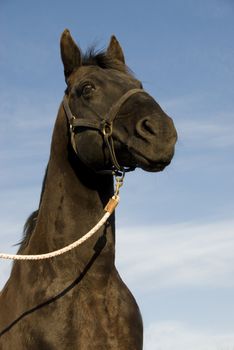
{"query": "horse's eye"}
pixel 87 90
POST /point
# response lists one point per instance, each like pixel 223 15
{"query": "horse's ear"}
pixel 114 50
pixel 70 53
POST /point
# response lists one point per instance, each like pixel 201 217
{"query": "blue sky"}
pixel 180 221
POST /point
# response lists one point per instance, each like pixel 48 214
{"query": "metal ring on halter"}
pixel 107 128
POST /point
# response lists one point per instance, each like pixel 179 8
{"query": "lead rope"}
pixel 109 209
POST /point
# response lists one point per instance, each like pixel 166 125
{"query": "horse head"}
pixel 115 124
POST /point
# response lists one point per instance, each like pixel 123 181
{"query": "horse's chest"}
pixel 80 318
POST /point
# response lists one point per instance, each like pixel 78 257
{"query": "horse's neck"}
pixel 72 203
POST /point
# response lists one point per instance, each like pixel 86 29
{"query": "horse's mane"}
pixel 100 58
pixel 28 229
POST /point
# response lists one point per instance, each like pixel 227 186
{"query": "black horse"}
pixel 107 124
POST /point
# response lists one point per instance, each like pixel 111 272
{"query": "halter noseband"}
pixel 105 126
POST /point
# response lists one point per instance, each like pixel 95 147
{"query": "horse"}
pixel 107 125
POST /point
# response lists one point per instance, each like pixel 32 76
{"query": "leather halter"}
pixel 104 125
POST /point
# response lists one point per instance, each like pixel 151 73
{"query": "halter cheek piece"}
pixel 105 126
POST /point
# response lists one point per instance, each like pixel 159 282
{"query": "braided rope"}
pixel 110 207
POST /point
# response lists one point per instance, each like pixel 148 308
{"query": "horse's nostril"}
pixel 146 128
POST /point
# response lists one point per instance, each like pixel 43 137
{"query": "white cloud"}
pixel 211 133
pixel 177 336
pixel 170 256
pixel 202 128
pixel 181 104
pixel 29 126
pixel 183 255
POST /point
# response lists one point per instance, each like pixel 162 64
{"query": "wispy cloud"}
pixel 27 111
pixel 158 257
pixel 200 126
pixel 25 138
pixel 177 336
pixel 208 134
pixel 183 255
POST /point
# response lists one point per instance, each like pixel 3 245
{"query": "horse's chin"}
pixel 148 165
pixel 154 168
